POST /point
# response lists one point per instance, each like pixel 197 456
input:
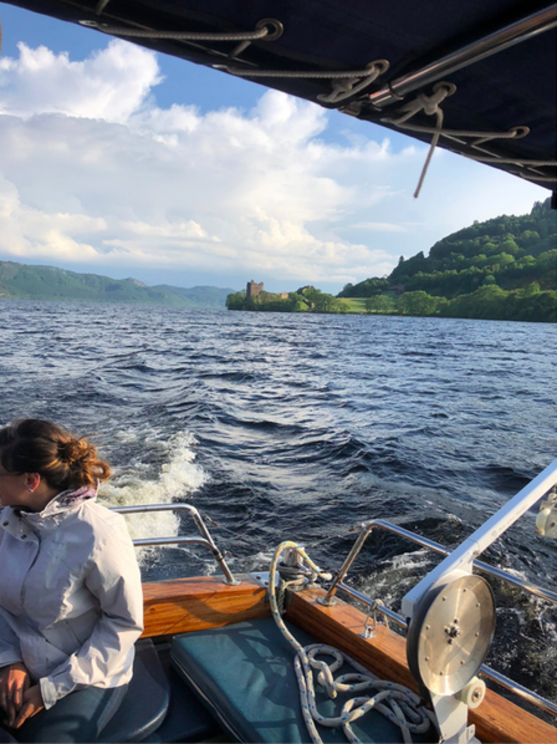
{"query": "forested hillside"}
pixel 503 268
pixel 23 282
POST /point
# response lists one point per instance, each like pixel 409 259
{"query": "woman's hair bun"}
pixel 74 451
pixel 64 460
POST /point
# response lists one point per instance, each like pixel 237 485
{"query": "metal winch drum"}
pixel 450 634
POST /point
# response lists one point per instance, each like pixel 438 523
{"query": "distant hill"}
pixel 24 282
pixel 504 269
pixel 198 296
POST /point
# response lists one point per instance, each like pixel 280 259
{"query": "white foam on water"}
pixel 177 479
pixel 127 435
pixel 514 572
pixel 260 561
pixel 395 576
pixel 413 561
pixel 518 613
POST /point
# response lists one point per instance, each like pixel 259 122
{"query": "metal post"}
pixel 328 599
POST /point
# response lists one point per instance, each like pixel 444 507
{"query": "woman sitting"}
pixel 70 591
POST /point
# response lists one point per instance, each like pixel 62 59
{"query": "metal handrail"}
pixel 205 538
pixel 537 591
pixel 500 679
pixel 367 527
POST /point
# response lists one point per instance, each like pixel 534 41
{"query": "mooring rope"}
pixel 430 105
pixel 396 702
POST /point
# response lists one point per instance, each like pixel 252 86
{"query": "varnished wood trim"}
pixel 184 605
pixel 496 720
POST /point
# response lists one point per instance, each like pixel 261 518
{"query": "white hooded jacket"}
pixel 71 605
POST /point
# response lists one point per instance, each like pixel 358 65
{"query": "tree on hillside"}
pixel 417 303
pixel 235 301
pixel 532 289
pixel 326 303
pixel 509 246
pixel 379 304
pixel 528 238
pixel 548 260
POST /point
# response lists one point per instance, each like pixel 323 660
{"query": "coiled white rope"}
pixel 430 105
pixel 396 702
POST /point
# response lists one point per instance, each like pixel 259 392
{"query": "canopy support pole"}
pixel 506 37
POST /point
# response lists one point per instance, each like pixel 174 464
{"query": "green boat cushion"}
pixel 245 674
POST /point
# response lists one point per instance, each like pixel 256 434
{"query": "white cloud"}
pixel 111 85
pixel 94 171
pixel 30 232
pixel 380 227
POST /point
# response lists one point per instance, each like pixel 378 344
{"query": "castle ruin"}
pixel 253 290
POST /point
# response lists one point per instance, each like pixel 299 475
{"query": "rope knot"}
pixel 343 87
pixel 430 106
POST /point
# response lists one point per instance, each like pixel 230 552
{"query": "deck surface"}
pixel 185 605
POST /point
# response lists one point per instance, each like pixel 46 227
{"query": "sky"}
pixel 122 162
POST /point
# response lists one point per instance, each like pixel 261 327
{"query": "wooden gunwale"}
pixel 186 605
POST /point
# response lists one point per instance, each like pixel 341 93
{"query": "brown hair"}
pixel 64 461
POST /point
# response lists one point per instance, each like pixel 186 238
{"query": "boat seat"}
pixel 145 705
pixel 158 706
pixel 187 720
pixel 244 673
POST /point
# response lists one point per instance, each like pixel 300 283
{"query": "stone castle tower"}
pixel 253 290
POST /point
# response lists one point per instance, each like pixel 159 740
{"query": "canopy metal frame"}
pixel 498 41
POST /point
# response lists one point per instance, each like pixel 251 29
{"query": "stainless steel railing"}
pixel 367 527
pixel 205 539
pixel 339 585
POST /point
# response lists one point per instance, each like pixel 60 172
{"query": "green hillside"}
pixel 24 282
pixel 504 268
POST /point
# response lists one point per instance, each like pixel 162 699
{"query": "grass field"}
pixel 355 304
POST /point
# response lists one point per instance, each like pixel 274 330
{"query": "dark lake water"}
pixel 294 426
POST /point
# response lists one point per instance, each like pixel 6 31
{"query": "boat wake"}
pixel 172 476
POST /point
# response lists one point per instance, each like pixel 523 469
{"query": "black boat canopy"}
pixel 478 75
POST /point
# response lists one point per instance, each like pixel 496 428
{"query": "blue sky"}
pixel 122 162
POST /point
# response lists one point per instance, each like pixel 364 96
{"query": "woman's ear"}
pixel 32 480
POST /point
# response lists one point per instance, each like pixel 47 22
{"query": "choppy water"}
pixel 291 426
